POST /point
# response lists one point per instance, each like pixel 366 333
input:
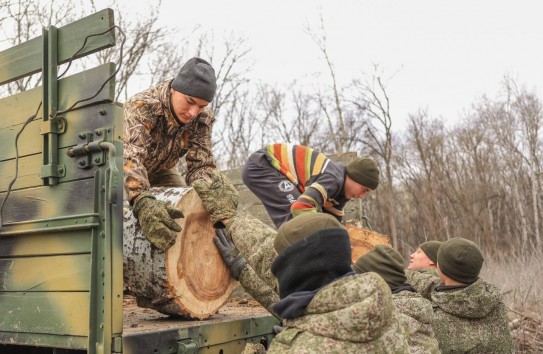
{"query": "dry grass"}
pixel 521 279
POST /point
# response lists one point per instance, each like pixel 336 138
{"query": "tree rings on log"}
pixel 190 278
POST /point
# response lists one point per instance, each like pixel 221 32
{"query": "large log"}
pixel 190 278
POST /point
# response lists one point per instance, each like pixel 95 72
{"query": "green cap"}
pixel 384 261
pixel 364 171
pixel 460 260
pixel 302 226
pixel 430 248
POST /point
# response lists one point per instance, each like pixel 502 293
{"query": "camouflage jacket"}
pixel 423 280
pixel 416 318
pixel 354 314
pixel 154 140
pixel 471 320
pixel 257 288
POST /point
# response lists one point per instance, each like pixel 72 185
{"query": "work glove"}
pixel 219 196
pixel 156 220
pixel 230 254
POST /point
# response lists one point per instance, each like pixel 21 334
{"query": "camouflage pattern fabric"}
pixel 424 280
pixel 471 320
pixel 254 348
pixel 156 220
pixel 258 289
pixel 416 315
pixel 219 196
pixel 254 240
pixel 354 314
pixel 155 141
pixel 167 178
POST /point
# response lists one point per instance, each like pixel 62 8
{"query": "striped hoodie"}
pixel 320 180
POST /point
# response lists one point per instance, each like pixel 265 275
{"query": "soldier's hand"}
pixel 219 196
pixel 229 253
pixel 156 219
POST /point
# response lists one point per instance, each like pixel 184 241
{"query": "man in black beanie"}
pixel 415 311
pixel 163 124
pixel 295 179
pixel 469 313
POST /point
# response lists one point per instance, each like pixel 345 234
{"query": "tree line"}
pixel 481 179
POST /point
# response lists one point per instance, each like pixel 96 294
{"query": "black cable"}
pixel 80 49
pixel 105 82
pixel 30 119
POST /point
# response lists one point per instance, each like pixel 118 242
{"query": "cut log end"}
pixel 189 279
pixel 364 240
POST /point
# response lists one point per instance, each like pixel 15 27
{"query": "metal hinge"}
pixel 187 347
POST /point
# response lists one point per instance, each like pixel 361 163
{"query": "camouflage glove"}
pixel 229 253
pixel 156 220
pixel 219 196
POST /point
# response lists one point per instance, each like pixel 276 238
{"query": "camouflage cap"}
pixel 460 260
pixel 386 262
pixel 430 248
pixel 364 171
pixel 197 79
pixel 303 226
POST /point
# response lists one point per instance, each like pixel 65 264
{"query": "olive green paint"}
pixel 26 58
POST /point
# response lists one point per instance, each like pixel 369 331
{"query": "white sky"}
pixel 446 53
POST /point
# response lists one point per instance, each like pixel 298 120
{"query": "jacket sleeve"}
pixel 257 288
pixel 136 137
pixel 315 197
pixel 199 155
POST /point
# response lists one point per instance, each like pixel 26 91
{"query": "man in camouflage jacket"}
pixel 422 269
pixel 328 310
pixel 163 124
pixel 469 314
pixel 416 313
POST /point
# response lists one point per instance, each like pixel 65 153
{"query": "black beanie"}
pixel 460 260
pixel 430 248
pixel 384 261
pixel 301 227
pixel 364 171
pixel 197 79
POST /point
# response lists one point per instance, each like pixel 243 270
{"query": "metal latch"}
pixel 89 152
pixel 187 347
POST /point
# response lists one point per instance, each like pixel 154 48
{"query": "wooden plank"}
pixel 46 243
pixel 16 109
pixel 29 171
pixel 44 340
pixel 26 58
pixel 47 202
pixel 82 120
pixel 60 313
pixel 46 273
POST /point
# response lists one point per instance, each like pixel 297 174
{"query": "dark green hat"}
pixel 197 79
pixel 460 260
pixel 302 226
pixel 384 261
pixel 364 171
pixel 430 248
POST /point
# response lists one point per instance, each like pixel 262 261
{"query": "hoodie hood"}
pixel 475 301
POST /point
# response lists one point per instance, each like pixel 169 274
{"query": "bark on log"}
pixel 190 278
pixel 364 240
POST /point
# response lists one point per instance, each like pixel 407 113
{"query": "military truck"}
pixel 61 252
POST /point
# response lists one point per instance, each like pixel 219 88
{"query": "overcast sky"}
pixel 444 54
